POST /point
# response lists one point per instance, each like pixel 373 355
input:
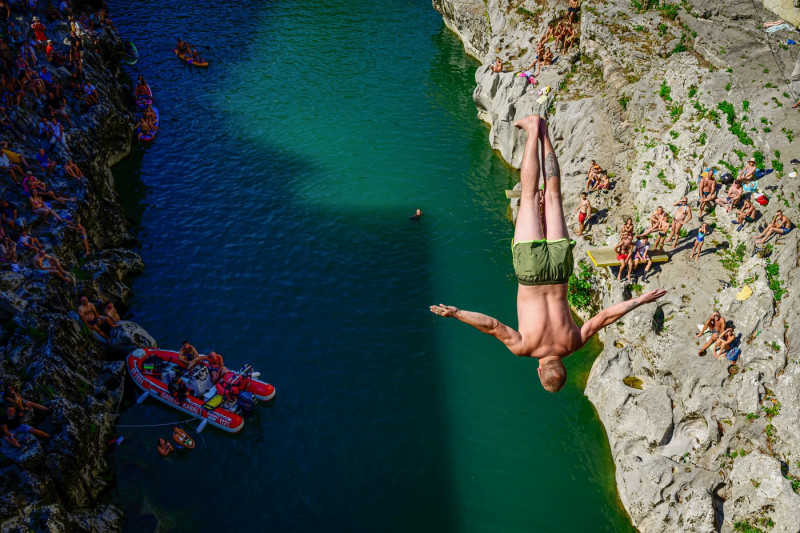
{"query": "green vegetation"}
pixel 580 294
pixel 526 14
pixel 731 168
pixel 759 157
pixel 734 126
pixel 773 281
pixel 37 334
pixel 663 179
pixel 664 91
pixel 680 47
pixel 662 29
pixel 777 103
pixel 669 11
pixel 789 134
pixel 751 416
pixel 674 149
pixel 676 111
pixel 728 86
pixel 743 526
pixel 774 410
pixel 745 106
pixel 702 139
pixel 777 165
pixel 739 154
pixel 732 259
pixel 769 86
pixel 623 102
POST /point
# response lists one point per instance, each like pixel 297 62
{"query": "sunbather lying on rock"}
pixel 780 225
pixel 543 262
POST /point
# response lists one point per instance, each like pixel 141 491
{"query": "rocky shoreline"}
pixel 655 96
pixel 56 484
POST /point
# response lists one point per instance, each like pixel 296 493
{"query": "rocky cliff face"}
pixel 655 96
pixel 45 350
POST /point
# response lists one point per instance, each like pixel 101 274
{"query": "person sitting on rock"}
pixel 164 447
pixel 15 171
pixel 12 397
pixel 8 252
pixel 655 221
pixel 641 254
pixel 732 197
pixel 9 125
pixel 111 312
pixel 780 225
pixel 568 38
pixel 547 58
pixel 497 67
pixel 716 325
pixel 94 321
pixel 72 170
pixel 47 263
pixel 747 213
pixel 543 262
pixel 9 213
pixel 604 182
pixel 57 106
pixel 723 343
pixel 663 231
pixel 43 159
pixel 28 242
pixel 40 208
pixel 748 173
pixel 11 426
pixel 627 227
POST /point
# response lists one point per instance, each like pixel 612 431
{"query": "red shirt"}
pixel 38 28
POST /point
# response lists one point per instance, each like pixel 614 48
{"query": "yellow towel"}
pixel 745 293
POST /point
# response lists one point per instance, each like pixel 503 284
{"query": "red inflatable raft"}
pixel 222 405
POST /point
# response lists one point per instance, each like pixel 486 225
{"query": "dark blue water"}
pixel 272 212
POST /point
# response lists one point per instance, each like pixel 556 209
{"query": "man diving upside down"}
pixel 542 255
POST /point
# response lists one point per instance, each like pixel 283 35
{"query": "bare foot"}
pixel 528 124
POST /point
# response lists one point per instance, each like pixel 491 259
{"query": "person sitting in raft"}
pixel 746 214
pixel 715 324
pixel 497 67
pixel 543 263
pixel 178 389
pixel 196 57
pixel 142 91
pixel 417 215
pixel 188 355
pixel 164 447
pixel 723 343
pixel 698 243
pixel 216 366
pixel 11 425
pixel 145 128
pixel 780 225
pixel 150 115
pixel 747 174
pixel 732 197
pixel 12 397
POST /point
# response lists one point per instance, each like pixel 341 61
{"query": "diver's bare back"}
pixel 546 326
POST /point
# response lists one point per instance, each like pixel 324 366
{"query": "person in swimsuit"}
pixel 641 255
pixel 497 67
pixel 655 221
pixel 723 343
pixel 583 212
pixel 11 425
pixel 732 197
pixel 707 191
pixel 716 324
pixel 543 263
pixel 188 355
pixel 780 225
pixel 627 228
pixel 12 397
pixel 624 255
pixel 93 320
pixel 39 208
pixel 663 231
pixel 216 366
pixel 164 448
pixel 681 217
pixel 572 9
pixel 72 170
pixel 698 243
pixel 747 174
pixel 746 214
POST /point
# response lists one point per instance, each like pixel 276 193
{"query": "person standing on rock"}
pixel 572 9
pixel 584 211
pixel 682 215
pixel 543 263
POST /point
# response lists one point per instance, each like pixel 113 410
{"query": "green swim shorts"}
pixel 543 262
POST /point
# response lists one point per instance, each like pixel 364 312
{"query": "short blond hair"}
pixel 552 374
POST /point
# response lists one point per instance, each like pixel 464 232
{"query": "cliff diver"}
pixel 543 263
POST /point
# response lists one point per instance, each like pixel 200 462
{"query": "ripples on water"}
pixel 273 215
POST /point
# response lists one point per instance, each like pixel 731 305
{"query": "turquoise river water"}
pixel 273 216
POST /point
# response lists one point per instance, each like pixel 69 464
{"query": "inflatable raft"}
pixel 150 135
pixel 131 53
pixel 223 405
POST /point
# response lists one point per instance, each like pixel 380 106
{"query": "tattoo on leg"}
pixel 551 166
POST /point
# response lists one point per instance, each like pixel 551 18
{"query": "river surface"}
pixel 273 216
